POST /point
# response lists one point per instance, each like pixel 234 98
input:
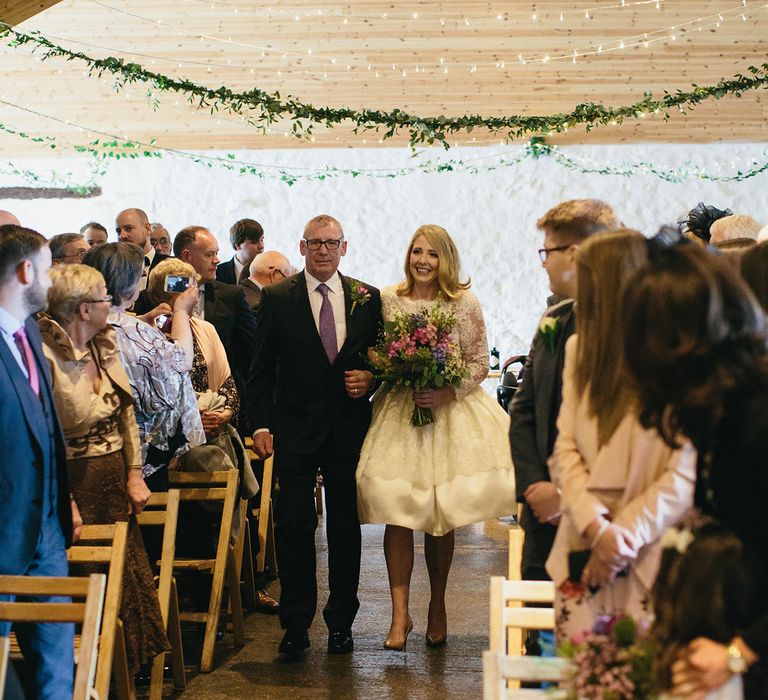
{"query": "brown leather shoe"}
pixel 266 604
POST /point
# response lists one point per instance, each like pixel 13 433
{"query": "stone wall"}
pixel 490 214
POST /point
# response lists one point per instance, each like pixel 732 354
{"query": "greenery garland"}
pixel 114 149
pixel 261 108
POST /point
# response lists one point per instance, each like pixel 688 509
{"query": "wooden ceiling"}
pixel 475 56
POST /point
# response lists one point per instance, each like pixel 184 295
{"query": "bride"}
pixel 453 472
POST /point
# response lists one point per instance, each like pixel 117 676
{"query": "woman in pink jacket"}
pixel 622 486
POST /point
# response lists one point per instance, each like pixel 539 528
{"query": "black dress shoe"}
pixel 294 641
pixel 340 642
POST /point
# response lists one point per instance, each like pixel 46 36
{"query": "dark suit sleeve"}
pixel 260 388
pixel 529 467
pixel 244 336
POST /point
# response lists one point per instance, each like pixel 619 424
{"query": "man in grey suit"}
pixel 536 403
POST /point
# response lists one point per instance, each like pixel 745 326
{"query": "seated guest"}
pixel 160 239
pixel 132 226
pixel 158 370
pixel 247 238
pixel 266 268
pixel 95 234
pixel 94 402
pixel 735 226
pixel 68 248
pixel 696 351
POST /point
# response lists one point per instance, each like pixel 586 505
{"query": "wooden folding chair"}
pixel 113 656
pixel 499 670
pixel 212 487
pixel 510 616
pixel 162 510
pixel 88 613
pixel 265 559
pixel 4 648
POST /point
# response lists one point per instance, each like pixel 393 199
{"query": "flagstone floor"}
pixel 455 671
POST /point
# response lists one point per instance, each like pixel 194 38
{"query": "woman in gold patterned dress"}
pixel 94 402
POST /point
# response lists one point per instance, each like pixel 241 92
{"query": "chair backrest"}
pixel 499 668
pixel 162 510
pixel 508 609
pixel 105 544
pixel 87 613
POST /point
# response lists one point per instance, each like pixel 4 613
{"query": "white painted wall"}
pixel 490 214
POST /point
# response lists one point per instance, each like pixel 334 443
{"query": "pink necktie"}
pixel 327 324
pixel 20 336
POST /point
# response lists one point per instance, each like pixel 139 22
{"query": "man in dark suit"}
pixel 309 393
pixel 536 403
pixel 247 238
pixel 265 269
pixel 132 226
pixel 36 515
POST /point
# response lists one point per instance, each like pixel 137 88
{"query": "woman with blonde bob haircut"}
pixel 441 476
pixel 447 273
pixel 95 405
pixel 622 486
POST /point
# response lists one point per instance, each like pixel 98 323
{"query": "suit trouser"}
pixel 48 648
pixel 536 548
pixel 295 525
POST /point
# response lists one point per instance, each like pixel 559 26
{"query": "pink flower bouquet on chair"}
pixel 416 351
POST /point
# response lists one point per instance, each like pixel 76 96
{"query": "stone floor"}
pixel 455 671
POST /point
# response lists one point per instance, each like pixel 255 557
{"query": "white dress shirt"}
pixel 336 297
pixel 238 268
pixel 8 326
pixel 149 256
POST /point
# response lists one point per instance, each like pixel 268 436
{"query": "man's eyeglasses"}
pixel 544 252
pixel 274 271
pixel 316 243
pixel 98 301
pixel 79 255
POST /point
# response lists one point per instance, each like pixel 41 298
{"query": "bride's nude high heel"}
pixel 396 645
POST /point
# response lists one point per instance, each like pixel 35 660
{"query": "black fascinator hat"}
pixel 701 218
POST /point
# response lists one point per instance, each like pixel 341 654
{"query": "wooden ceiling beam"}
pixel 16 11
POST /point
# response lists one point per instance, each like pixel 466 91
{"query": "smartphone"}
pixel 177 283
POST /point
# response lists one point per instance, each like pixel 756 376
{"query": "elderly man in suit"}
pixel 247 238
pixel 266 268
pixel 536 403
pixel 37 518
pixel 132 226
pixel 309 393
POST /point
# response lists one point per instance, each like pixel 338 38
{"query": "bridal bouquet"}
pixel 611 662
pixel 416 351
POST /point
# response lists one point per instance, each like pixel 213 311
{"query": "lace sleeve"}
pixel 473 342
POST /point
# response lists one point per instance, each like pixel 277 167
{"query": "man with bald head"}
pixel 132 226
pixel 6 218
pixel 266 268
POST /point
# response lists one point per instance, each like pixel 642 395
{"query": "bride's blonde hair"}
pixel 449 263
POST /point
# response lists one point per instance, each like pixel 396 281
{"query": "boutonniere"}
pixel 549 327
pixel 359 295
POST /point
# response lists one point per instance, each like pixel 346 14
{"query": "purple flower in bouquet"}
pixel 612 661
pixel 416 351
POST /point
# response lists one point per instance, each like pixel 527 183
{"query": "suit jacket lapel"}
pixel 31 406
pixel 211 300
pixel 300 297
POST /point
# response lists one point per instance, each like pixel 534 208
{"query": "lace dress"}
pixel 453 472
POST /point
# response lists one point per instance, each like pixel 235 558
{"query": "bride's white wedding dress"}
pixel 453 472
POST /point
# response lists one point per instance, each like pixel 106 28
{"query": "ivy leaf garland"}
pixel 260 108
